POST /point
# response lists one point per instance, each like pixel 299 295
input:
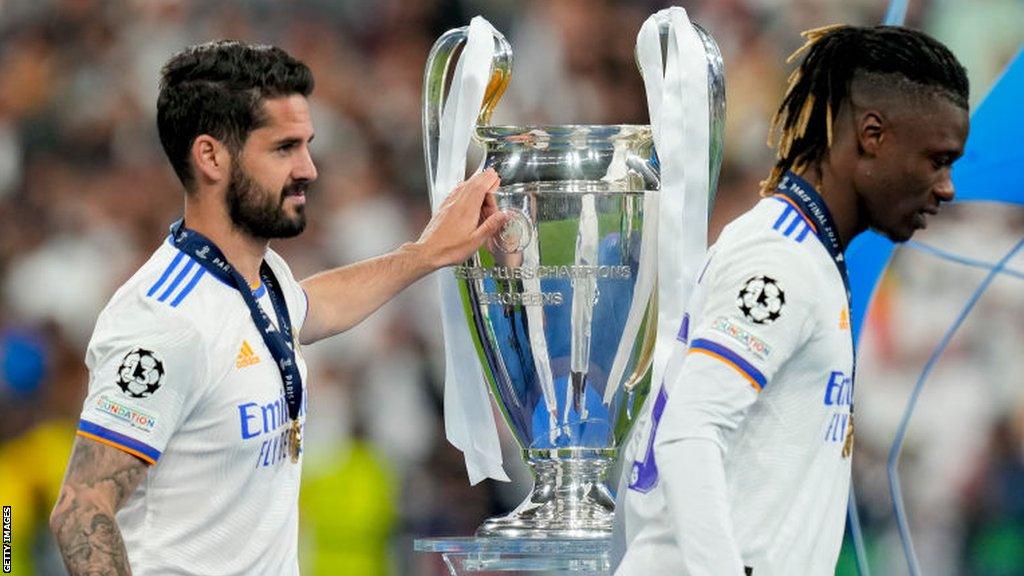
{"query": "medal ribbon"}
pixel 810 203
pixel 807 199
pixel 278 340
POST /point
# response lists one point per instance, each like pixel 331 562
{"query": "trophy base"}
pixel 569 499
pixel 551 557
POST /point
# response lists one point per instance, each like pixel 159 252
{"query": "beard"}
pixel 259 212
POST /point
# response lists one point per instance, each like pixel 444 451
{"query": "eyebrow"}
pixel 289 141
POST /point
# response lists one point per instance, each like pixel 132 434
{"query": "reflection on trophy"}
pixel 556 304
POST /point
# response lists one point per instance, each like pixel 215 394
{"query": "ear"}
pixel 871 131
pixel 211 159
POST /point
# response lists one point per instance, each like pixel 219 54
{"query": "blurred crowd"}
pixel 86 195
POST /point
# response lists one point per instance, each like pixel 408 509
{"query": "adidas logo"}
pixel 246 357
pixel 844 319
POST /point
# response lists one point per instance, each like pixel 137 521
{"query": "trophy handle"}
pixel 435 80
pixel 716 102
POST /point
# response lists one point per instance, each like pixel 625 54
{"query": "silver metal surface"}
pixel 548 298
pixel 549 316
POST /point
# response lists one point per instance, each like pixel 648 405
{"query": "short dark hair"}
pixel 822 82
pixel 218 88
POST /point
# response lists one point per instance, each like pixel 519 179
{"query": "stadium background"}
pixel 86 195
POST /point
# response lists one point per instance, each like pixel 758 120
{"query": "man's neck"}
pixel 839 198
pixel 243 252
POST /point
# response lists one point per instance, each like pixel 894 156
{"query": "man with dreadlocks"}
pixel 741 463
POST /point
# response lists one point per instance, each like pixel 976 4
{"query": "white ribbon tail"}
pixel 685 128
pixel 469 419
pixel 677 98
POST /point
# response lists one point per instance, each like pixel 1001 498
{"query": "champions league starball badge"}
pixel 140 373
pixel 761 300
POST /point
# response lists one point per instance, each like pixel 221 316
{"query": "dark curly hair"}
pixel 217 88
pixel 897 57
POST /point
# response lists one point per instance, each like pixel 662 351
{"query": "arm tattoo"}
pixel 98 480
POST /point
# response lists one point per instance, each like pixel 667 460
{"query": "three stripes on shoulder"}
pixel 177 280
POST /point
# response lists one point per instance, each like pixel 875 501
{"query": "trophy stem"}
pixel 569 498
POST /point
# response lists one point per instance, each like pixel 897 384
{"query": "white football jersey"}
pixel 763 368
pixel 179 376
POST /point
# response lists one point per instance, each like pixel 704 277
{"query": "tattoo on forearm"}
pixel 98 481
pixel 91 544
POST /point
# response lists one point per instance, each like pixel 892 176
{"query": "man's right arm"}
pixel 340 298
pixel 98 481
pixel 692 466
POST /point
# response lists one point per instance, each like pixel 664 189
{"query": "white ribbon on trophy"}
pixel 677 98
pixel 468 418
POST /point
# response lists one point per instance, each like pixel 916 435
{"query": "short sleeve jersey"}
pixel 762 367
pixel 179 376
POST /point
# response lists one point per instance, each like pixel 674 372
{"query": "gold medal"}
pixel 848 444
pixel 295 441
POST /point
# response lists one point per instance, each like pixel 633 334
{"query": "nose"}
pixel 944 191
pixel 304 168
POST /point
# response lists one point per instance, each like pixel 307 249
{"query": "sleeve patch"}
pixel 130 415
pixel 756 346
pixel 140 373
pixel 761 299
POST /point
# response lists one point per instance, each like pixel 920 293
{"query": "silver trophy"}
pixel 547 299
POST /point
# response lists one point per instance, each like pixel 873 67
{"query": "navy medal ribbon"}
pixel 807 199
pixel 277 339
pixel 810 203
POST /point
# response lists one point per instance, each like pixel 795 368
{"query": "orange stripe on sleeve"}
pixel 113 444
pixel 730 363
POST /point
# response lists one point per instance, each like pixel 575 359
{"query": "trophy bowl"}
pixel 547 301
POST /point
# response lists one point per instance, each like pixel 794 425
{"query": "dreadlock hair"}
pixel 823 82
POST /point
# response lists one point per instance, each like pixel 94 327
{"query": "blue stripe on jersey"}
pixel 793 225
pixel 802 235
pixel 732 358
pixel 188 287
pixel 166 274
pixel 177 280
pixel 118 438
pixel 796 222
pixel 785 215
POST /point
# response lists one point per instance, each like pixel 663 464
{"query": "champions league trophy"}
pixel 560 303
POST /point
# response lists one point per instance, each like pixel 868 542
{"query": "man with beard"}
pixel 188 453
